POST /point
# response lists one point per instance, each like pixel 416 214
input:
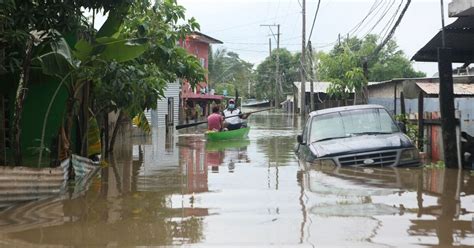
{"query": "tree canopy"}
pixel 343 64
pixel 227 71
pixel 266 74
pixel 124 65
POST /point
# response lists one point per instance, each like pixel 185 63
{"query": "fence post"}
pixel 420 120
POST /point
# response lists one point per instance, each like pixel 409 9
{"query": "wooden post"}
pixel 3 156
pixel 312 79
pixel 446 106
pixel 402 104
pixel 420 120
pixel 85 118
pixel 395 99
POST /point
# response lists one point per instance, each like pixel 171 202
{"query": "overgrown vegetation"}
pixel 122 67
pixel 343 65
pixel 411 128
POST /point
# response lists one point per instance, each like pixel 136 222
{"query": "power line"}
pixel 371 10
pixel 384 13
pixel 371 17
pixel 250 23
pixel 386 29
pixel 258 43
pixel 314 20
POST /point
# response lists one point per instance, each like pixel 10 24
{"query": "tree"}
pixel 136 85
pixel 227 68
pixel 27 26
pixel 343 65
pixel 125 65
pixel 266 78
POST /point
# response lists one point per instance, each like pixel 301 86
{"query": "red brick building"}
pixel 201 97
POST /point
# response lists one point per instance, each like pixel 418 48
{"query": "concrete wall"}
pixel 385 90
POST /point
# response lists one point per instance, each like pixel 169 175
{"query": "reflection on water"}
pixel 395 207
pixel 177 188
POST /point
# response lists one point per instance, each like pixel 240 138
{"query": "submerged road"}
pixel 177 189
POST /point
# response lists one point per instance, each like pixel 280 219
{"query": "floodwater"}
pixel 173 190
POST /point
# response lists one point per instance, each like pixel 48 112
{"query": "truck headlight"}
pixel 409 155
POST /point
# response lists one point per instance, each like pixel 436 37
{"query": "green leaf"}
pixel 59 61
pixel 123 50
pixel 112 26
pixel 83 50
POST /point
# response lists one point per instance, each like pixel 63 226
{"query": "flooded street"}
pixel 182 190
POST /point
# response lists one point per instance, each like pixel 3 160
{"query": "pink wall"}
pixel 200 50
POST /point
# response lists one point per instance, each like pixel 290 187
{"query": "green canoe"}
pixel 227 135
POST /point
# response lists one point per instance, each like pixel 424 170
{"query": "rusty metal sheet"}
pixel 459 89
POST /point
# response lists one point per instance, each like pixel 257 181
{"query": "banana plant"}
pixel 141 122
pixel 73 66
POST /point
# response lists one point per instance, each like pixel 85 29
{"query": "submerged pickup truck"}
pixel 359 135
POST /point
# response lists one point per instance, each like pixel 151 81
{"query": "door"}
pixel 170 115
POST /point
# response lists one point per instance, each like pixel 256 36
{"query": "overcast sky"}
pixel 237 23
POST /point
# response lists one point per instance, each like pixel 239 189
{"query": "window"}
pixel 351 123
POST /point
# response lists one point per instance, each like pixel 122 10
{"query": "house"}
pixel 167 109
pixel 322 99
pixel 179 96
pixel 202 95
pixel 388 94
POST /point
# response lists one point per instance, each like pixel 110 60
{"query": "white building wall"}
pixel 157 117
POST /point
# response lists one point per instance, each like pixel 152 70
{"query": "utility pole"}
pixel 270 47
pixel 303 63
pixel 312 79
pixel 278 89
pixel 278 78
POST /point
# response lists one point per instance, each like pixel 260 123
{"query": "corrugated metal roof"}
pixel 318 87
pixel 458 37
pixel 459 89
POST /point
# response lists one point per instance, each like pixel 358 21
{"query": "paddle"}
pixel 202 122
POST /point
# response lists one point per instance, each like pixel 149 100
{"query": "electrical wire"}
pixel 314 20
pixel 371 10
pixel 250 23
pixel 382 16
pixel 370 19
pixel 383 33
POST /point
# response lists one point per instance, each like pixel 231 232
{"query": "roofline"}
pixel 211 39
pixel 415 79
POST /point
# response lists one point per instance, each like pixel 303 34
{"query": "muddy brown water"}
pixel 173 190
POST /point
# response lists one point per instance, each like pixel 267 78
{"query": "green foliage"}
pixel 227 68
pixel 343 64
pixel 229 88
pixel 266 78
pixel 20 19
pixel 437 165
pixel 128 86
pixel 412 129
pixel 141 122
pixel 128 61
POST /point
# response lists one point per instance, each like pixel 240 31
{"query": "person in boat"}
pixel 234 122
pixel 215 121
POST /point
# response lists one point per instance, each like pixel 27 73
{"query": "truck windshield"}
pixel 351 123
